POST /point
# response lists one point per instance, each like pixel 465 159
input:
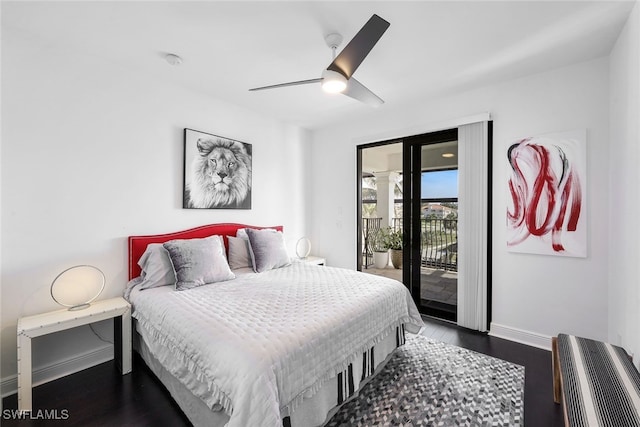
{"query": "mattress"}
pixel 258 346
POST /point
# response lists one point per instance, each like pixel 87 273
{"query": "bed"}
pixel 252 337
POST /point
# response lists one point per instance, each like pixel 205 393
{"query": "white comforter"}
pixel 263 342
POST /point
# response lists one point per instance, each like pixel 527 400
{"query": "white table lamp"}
pixel 78 286
pixel 303 247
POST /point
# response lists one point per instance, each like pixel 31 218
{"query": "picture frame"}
pixel 217 172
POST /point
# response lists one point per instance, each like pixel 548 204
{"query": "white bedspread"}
pixel 262 342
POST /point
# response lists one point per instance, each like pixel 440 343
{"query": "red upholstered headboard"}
pixel 138 244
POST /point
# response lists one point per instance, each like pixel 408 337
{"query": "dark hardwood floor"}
pixel 99 396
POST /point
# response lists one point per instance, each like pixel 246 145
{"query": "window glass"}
pixel 440 184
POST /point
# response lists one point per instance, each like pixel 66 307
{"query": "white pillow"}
pixel 198 262
pixel 156 266
pixel 239 256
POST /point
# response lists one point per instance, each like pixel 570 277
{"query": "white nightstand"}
pixel 30 327
pixel 312 260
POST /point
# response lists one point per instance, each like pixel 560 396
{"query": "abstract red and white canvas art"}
pixel 546 206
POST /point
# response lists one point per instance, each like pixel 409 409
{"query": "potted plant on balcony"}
pixel 395 245
pixel 380 247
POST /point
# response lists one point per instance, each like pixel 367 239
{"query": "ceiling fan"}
pixel 338 77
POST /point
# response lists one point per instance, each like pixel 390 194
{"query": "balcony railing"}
pixel 369 225
pixel 438 241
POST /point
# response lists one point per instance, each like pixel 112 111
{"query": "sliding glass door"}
pixel 426 185
pixel 432 226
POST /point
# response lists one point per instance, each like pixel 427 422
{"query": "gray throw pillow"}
pixel 267 249
pixel 198 262
pixel 239 256
pixel 156 268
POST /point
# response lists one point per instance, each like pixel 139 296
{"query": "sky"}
pixel 440 184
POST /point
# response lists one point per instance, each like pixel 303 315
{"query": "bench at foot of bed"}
pixel 596 382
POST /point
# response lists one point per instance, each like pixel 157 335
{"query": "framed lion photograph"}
pixel 217 172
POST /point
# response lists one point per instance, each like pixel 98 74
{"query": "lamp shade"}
pixel 303 247
pixel 78 286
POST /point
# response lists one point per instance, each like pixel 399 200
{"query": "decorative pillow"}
pixel 198 262
pixel 242 233
pixel 267 249
pixel 156 266
pixel 239 256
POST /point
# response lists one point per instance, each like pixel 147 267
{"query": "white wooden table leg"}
pixel 126 342
pixel 24 373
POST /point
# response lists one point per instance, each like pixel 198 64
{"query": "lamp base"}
pixel 80 307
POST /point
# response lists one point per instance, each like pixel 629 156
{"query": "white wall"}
pixel 624 247
pixel 92 152
pixel 534 296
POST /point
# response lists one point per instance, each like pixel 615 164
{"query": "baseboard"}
pixel 521 336
pixel 60 369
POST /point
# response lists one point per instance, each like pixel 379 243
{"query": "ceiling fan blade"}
pixel 358 91
pixel 359 47
pixel 301 82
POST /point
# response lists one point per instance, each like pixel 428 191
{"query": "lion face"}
pixel 221 166
pixel 220 174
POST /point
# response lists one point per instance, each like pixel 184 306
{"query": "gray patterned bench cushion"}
pixel 598 382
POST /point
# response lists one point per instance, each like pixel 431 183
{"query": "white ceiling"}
pixel 228 47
